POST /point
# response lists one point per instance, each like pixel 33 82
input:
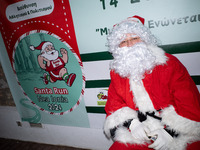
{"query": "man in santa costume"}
pixel 53 64
pixel 152 101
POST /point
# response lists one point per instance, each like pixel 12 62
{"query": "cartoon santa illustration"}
pixel 49 60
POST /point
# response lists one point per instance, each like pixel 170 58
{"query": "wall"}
pixel 180 42
pixel 50 134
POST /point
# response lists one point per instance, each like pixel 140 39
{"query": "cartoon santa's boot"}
pixel 46 78
pixel 69 79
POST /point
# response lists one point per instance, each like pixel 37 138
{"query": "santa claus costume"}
pixel 162 98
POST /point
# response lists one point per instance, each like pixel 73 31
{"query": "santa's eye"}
pixel 123 43
pixel 135 38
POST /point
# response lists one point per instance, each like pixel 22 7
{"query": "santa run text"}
pixel 50 91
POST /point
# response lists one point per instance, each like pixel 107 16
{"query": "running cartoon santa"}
pixel 49 60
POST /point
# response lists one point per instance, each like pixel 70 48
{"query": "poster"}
pixel 41 48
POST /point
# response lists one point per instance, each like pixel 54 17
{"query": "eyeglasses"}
pixel 130 41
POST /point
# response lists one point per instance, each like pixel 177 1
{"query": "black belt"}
pixel 142 117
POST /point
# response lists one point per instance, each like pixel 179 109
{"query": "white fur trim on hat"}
pixel 41 47
pixel 46 44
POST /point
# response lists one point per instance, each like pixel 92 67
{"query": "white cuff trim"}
pixel 118 118
pixel 179 123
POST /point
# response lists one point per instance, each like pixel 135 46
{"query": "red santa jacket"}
pixel 168 88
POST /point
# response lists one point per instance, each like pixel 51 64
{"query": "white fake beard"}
pixel 51 55
pixel 133 61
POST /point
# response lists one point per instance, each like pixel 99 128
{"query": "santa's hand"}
pixel 45 59
pixel 63 51
pixel 138 130
pixel 163 139
pixel 41 60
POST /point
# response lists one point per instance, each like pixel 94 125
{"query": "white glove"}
pixel 163 139
pixel 138 130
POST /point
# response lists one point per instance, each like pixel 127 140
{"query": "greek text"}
pixel 174 21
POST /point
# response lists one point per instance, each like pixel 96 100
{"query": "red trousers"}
pixel 121 146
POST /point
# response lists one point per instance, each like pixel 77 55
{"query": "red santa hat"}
pixel 134 25
pixel 135 19
pixel 41 46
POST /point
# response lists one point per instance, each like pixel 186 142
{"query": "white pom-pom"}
pixel 32 47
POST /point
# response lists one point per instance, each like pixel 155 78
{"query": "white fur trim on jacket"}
pixel 189 131
pixel 141 97
pixel 179 123
pixel 118 118
pixel 124 136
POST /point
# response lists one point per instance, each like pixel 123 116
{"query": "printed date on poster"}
pixel 115 3
pixel 55 107
pixel 53 101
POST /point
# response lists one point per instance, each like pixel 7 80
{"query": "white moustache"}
pixel 52 52
pixel 51 55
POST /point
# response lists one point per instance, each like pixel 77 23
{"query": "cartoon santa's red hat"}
pixel 41 46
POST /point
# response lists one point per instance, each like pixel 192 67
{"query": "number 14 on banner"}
pixel 115 2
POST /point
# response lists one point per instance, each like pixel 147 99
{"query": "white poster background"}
pixel 89 17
